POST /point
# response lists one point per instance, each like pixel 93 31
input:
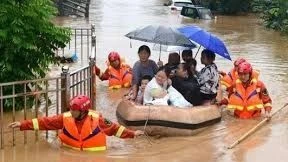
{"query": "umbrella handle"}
pixel 160 54
pixel 197 51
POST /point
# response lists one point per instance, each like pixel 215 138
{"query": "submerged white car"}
pixel 178 4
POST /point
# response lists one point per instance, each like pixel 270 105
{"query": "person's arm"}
pixel 264 96
pixel 110 129
pixel 226 81
pixel 43 123
pixel 155 67
pixel 135 80
pixel 105 75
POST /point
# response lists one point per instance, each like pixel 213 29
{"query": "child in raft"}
pixel 141 87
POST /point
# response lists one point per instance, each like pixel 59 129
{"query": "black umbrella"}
pixel 161 35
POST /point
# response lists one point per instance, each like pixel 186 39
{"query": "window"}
pixel 189 12
pixel 205 13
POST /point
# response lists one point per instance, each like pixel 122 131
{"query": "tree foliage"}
pixel 274 13
pixel 28 39
pixel 228 6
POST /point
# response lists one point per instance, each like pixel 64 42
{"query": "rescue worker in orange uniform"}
pixel 82 128
pixel 228 79
pixel 249 95
pixel 118 73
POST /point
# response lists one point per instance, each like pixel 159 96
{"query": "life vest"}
pixel 228 80
pixel 120 78
pixel 91 137
pixel 246 101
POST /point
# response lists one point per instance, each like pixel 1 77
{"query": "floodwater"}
pixel 244 35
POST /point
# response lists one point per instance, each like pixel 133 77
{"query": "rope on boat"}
pixel 144 130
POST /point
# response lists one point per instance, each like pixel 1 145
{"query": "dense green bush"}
pixel 28 39
pixel 274 13
pixel 228 6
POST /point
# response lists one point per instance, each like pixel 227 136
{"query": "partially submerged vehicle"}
pixel 167 120
pixel 178 4
pixel 196 12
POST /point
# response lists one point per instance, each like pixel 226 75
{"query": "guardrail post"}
pixel 1 120
pixel 92 64
pixel 65 89
pixel 87 8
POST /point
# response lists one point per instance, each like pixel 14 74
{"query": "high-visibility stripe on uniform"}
pixel 238 107
pixel 93 114
pixel 223 83
pixel 115 87
pixel 101 148
pixel 268 104
pixel 67 114
pixel 259 106
pixel 35 124
pixel 120 131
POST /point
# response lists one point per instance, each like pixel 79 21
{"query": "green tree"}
pixel 234 6
pixel 28 39
pixel 228 6
pixel 274 13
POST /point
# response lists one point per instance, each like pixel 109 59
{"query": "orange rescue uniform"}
pixel 118 78
pixel 88 134
pixel 247 100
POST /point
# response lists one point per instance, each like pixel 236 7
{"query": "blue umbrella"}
pixel 205 39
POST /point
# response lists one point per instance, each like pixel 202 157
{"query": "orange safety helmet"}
pixel 81 103
pixel 245 68
pixel 239 61
pixel 113 56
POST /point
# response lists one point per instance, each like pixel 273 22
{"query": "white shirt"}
pixel 173 95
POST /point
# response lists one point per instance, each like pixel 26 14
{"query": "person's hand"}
pixel 138 133
pixel 169 82
pixel 268 115
pixel 97 71
pixel 14 125
pixel 222 102
pixel 222 73
pixel 160 63
pixel 127 97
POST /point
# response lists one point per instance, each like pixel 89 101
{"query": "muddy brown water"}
pixel 244 36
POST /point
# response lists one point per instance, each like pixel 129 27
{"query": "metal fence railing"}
pixel 80 44
pixel 47 95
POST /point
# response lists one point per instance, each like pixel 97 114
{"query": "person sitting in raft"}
pixel 187 55
pixel 228 79
pixel 208 77
pixel 82 128
pixel 159 91
pixel 142 85
pixel 144 66
pixel 173 62
pixel 118 73
pixel 187 86
pixel 249 95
